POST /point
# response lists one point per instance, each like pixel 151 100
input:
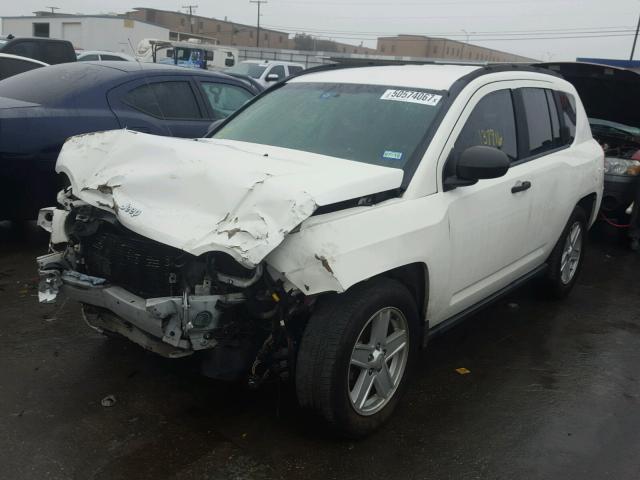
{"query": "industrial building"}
pixel 118 32
pixel 86 32
pixel 225 32
pixel 238 34
pixel 442 48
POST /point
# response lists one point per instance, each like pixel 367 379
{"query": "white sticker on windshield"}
pixel 412 96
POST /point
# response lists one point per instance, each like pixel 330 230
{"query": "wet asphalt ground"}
pixel 553 393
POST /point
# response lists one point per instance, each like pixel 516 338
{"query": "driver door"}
pixel 488 221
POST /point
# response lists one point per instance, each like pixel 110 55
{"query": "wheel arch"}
pixel 588 204
pixel 415 277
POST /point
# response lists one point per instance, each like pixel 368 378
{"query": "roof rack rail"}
pixel 483 67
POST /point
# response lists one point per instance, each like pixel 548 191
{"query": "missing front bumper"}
pixel 169 326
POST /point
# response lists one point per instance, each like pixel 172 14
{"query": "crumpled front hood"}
pixel 212 195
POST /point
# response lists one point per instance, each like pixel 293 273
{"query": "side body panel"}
pixel 335 251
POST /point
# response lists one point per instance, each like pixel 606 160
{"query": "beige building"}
pixel 442 48
pixel 227 33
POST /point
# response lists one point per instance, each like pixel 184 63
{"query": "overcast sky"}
pixel 507 25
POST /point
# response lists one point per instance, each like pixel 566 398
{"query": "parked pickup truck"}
pixel 48 50
pixel 328 227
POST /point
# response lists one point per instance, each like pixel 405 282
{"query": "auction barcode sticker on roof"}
pixel 412 96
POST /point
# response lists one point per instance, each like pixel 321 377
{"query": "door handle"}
pixel 521 187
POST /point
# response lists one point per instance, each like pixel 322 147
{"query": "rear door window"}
pixel 23 49
pixel 166 100
pixel 89 58
pixel 492 124
pixel 293 69
pixel 536 110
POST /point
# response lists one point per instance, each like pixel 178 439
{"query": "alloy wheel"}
pixel 378 361
pixel 571 253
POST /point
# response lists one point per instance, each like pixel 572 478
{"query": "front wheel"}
pixel 567 257
pixel 355 355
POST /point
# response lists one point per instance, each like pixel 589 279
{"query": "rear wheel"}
pixel 567 257
pixel 355 355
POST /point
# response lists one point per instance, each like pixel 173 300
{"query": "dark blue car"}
pixel 40 109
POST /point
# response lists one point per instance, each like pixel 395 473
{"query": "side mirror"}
pixel 478 163
pixel 272 77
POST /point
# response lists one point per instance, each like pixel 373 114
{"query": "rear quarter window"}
pixel 567 105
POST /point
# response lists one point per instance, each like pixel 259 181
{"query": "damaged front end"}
pixel 189 246
pixel 164 299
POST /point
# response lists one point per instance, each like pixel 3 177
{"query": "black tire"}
pixel 554 284
pixel 324 357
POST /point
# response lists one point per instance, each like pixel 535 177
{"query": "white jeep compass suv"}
pixel 327 227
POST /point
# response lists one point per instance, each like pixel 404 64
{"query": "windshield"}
pixel 373 124
pixel 251 69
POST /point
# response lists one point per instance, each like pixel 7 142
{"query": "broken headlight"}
pixel 620 166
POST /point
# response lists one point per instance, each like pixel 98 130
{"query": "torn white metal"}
pixel 206 195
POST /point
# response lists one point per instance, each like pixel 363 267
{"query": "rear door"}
pixel 549 130
pixel 162 105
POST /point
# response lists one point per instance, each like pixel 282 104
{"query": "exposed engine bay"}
pixel 619 145
pixel 171 302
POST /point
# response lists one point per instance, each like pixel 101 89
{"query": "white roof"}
pixel 434 77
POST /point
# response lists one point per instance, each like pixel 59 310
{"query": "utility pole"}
pixel 635 40
pixel 191 8
pixel 53 9
pixel 259 2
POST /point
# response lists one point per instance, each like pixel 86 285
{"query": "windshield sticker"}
pixel 391 155
pixel 412 96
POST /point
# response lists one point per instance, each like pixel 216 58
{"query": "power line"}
pixel 497 36
pixel 487 39
pixel 570 30
pixel 386 4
